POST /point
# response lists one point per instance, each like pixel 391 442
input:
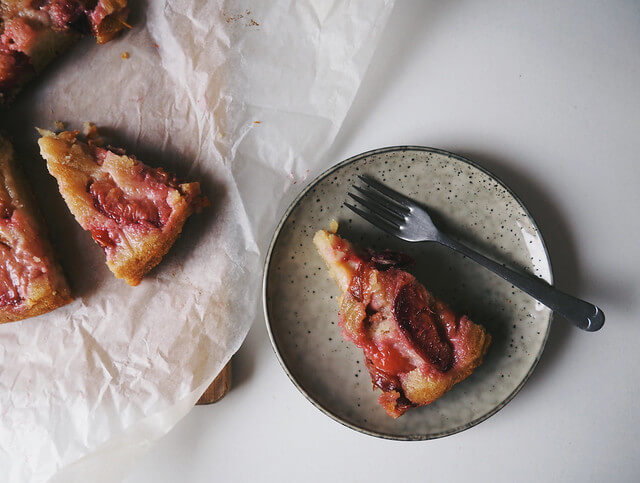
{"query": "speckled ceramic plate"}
pixel 300 300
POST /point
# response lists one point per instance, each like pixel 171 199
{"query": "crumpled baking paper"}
pixel 244 96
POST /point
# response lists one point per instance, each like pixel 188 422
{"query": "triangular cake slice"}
pixel 31 282
pixel 415 347
pixel 134 212
pixel 34 32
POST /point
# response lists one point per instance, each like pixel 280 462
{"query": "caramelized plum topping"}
pixel 18 35
pixel 357 285
pixel 6 211
pixel 388 383
pixel 9 296
pixel 112 202
pixel 387 259
pixel 64 13
pixel 420 326
pixel 384 381
pixel 160 176
pixel 103 238
pixel 9 277
pixel 14 67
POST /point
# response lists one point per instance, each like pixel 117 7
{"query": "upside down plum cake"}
pixel 33 32
pixel 31 282
pixel 416 349
pixel 134 212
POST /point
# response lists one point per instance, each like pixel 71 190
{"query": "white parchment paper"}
pixel 244 96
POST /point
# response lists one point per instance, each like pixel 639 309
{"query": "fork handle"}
pixel 580 313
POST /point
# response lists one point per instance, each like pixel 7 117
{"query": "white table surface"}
pixel 547 96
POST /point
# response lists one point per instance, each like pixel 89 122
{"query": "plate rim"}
pixel 276 349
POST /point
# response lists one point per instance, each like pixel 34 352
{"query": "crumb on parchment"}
pixel 333 226
pixel 59 125
pixel 125 55
pixel 228 17
pixel 231 18
pixel 90 130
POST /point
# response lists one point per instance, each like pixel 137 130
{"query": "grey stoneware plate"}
pixel 301 301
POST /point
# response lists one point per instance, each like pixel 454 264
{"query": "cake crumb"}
pixel 125 55
pixel 59 125
pixel 90 130
pixel 333 226
pixel 231 18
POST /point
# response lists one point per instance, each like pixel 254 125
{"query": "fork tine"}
pixel 394 195
pixel 375 220
pixel 389 204
pixel 379 209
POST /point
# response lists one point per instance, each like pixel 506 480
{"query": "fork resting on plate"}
pixel 401 217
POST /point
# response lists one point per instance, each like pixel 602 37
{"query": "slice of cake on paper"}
pixel 31 282
pixel 34 32
pixel 134 212
pixel 416 349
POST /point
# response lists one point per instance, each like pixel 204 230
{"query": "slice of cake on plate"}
pixel 31 282
pixel 134 212
pixel 416 349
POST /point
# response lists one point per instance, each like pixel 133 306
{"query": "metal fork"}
pixel 399 216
